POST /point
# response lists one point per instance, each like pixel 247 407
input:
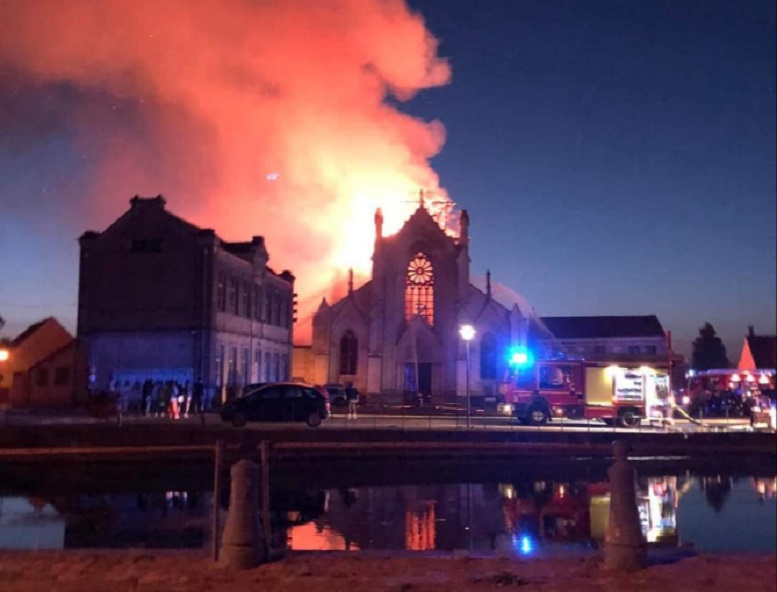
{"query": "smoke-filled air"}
pixel 252 116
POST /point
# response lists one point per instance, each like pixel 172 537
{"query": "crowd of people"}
pixel 160 398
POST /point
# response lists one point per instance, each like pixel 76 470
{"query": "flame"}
pixel 250 117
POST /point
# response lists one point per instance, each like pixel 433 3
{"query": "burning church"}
pixel 398 333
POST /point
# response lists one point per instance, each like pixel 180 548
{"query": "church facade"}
pixel 398 334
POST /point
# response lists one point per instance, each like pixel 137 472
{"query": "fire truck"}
pixel 538 392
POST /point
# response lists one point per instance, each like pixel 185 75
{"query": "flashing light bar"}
pixel 520 357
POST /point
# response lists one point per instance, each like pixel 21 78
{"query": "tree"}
pixel 708 350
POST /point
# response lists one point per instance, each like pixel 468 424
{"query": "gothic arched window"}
pixel 349 353
pixel 488 357
pixel 419 289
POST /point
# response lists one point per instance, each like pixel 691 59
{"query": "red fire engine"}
pixel 538 392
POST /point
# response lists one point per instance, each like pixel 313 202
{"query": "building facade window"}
pixel 267 306
pixel 233 365
pixel 258 364
pixel 257 302
pixel 62 376
pixel 419 289
pixel 282 311
pixel 267 367
pixel 146 245
pixel 232 297
pixel 600 350
pixel 633 349
pixel 219 366
pixel 349 353
pixel 276 366
pixel 245 367
pixel 246 304
pixel 651 350
pixel 285 367
pixel 42 377
pixel 276 310
pixel 488 357
pixel 221 293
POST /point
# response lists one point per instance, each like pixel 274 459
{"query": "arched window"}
pixel 419 289
pixel 349 353
pixel 488 357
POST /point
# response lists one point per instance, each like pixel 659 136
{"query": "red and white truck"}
pixel 571 389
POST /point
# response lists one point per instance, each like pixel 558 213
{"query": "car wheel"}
pixel 538 415
pixel 314 419
pixel 239 419
pixel 629 418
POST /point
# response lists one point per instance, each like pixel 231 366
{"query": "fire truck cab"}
pixel 545 390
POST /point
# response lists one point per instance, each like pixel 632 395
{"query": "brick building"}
pixel 42 367
pixel 163 299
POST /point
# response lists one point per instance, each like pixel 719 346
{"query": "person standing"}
pixel 352 398
pixel 161 399
pixel 175 407
pixel 187 398
pixel 145 396
pixel 198 395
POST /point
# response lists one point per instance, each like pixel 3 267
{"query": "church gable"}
pixel 421 234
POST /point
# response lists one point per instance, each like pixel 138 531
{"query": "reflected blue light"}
pixel 524 544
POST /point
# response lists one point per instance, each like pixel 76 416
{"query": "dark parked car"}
pixel 283 401
pixel 337 395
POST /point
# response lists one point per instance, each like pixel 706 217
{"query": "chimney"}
pixel 750 331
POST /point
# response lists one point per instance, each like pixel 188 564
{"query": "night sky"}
pixel 615 158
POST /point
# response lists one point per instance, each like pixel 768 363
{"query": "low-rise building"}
pixel 622 339
pixel 162 299
pixel 26 352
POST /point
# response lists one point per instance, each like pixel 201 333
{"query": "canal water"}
pixel 510 516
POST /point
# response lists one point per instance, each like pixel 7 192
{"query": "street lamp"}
pixel 467 333
pixel 3 355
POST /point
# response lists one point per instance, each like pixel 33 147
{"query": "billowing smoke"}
pixel 251 116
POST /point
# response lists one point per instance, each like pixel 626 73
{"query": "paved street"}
pixel 398 421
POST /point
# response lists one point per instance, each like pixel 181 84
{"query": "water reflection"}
pixel 518 517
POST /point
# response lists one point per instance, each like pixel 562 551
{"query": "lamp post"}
pixel 467 333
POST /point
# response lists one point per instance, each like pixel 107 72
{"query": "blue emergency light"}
pixel 520 357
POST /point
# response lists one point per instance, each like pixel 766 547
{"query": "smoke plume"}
pixel 251 116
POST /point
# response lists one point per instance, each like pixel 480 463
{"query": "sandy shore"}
pixel 107 571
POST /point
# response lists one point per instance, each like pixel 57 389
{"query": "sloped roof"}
pixel 763 348
pixel 604 327
pixel 70 344
pixel 27 333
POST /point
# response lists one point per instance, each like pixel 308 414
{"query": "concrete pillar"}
pixel 625 548
pixel 243 545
